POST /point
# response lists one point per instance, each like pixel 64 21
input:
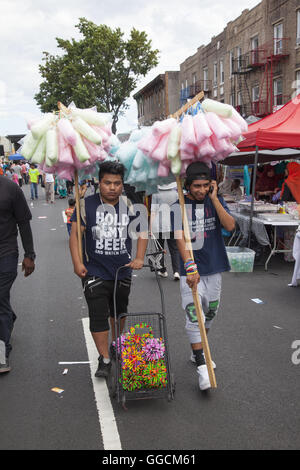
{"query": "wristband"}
pixel 189 273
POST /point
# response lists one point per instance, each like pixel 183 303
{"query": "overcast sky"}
pixel 29 27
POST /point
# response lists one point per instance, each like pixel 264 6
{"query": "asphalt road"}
pixel 256 403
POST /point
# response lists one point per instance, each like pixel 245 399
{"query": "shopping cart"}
pixel 153 378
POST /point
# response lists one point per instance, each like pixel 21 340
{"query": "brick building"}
pixel 253 64
pixel 158 98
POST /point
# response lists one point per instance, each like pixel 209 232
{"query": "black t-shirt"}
pixel 14 211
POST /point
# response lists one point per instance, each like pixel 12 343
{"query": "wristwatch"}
pixel 31 256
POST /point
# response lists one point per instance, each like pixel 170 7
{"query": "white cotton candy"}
pixel 39 153
pixel 86 130
pixel 174 142
pixel 224 110
pixel 40 127
pixel 92 117
pixel 29 146
pixel 80 149
pixel 51 147
pixel 176 165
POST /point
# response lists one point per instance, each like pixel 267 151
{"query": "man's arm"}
pixel 79 267
pixel 227 221
pixel 142 243
pixel 27 242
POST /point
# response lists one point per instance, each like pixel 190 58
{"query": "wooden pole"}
pixel 65 110
pixel 204 341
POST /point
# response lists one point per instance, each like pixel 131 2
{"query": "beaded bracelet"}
pixel 190 267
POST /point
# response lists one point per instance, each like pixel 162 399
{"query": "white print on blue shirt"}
pixel 110 233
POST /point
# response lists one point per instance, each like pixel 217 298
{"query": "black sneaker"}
pixel 5 367
pixel 103 369
pixel 112 351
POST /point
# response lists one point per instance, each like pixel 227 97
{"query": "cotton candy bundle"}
pixel 174 142
pixel 80 149
pixel 160 128
pixel 86 130
pixel 216 126
pixel 216 107
pixel 40 127
pixel 51 147
pixel 90 116
pixel 39 153
pixel 237 118
pixel 67 130
pixel 201 128
pixel 29 146
pixel 64 150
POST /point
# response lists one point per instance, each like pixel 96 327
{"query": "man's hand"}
pixel 137 263
pixel 80 270
pixel 28 266
pixel 214 194
pixel 192 281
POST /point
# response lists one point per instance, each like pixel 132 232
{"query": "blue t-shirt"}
pixel 106 242
pixel 206 236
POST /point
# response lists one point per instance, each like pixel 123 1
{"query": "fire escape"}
pixel 192 90
pixel 267 60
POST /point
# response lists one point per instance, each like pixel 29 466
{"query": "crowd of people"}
pixel 108 246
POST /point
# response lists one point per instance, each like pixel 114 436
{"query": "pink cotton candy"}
pixel 163 170
pixel 161 150
pixel 187 152
pixel 234 128
pixel 188 132
pixel 104 136
pixel 107 129
pixel 65 172
pixel 206 149
pixel 64 150
pixel 95 151
pixel 219 144
pixel 160 128
pixel 148 143
pixel 184 167
pixel 77 164
pixel 201 128
pixel 48 169
pixel 217 126
pixel 237 118
pixel 67 130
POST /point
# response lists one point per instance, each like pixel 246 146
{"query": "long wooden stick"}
pixel 187 236
pixel 77 198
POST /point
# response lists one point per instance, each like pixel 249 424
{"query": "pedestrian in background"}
pixel 33 174
pixel 14 215
pixel 48 180
pixel 69 213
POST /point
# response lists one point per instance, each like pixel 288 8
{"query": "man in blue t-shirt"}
pixel 206 213
pixel 108 227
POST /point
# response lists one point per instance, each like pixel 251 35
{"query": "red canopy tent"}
pixel 278 130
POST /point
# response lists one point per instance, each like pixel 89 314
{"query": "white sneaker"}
pixel 176 277
pixel 194 361
pixel 165 274
pixel 204 382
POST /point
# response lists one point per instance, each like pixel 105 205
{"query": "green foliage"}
pixel 102 69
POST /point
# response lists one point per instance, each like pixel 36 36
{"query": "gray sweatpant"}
pixel 209 290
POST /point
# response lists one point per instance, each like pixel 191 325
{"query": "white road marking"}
pixel 108 425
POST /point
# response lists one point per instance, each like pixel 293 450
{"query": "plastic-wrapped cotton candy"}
pixel 139 160
pixel 40 127
pixel 39 154
pixel 160 151
pixel 29 146
pixel 80 149
pixel 64 150
pixel 220 145
pixel 174 142
pixel 201 128
pixel 126 154
pixel 153 167
pixel 217 126
pixel 160 128
pixel 206 149
pixel 95 151
pixel 187 152
pixel 224 110
pixel 51 147
pixel 163 170
pixel 234 128
pixel 86 130
pixel 67 130
pixel 65 172
pixel 176 165
pixel 91 117
pixel 148 143
pixel 188 132
pixel 237 118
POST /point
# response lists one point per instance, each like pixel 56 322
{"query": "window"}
pixel 215 92
pixel 298 28
pixel 239 58
pixel 221 72
pixel 254 50
pixel 277 91
pixel 205 79
pixel 194 79
pixel 232 99
pixel 297 82
pixel 215 73
pixel 255 93
pixel 278 33
pixel 231 59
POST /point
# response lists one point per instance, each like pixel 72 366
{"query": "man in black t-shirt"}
pixel 14 214
pixel 107 247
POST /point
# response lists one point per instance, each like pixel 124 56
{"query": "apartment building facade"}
pixel 158 99
pixel 253 64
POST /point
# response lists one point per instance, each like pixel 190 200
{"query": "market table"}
pixel 259 229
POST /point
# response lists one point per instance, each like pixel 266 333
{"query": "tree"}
pixel 101 69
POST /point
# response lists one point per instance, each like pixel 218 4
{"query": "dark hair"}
pixel 113 168
pixel 237 180
pixel 71 202
pixel 189 179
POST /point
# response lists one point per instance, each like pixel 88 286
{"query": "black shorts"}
pixel 99 295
